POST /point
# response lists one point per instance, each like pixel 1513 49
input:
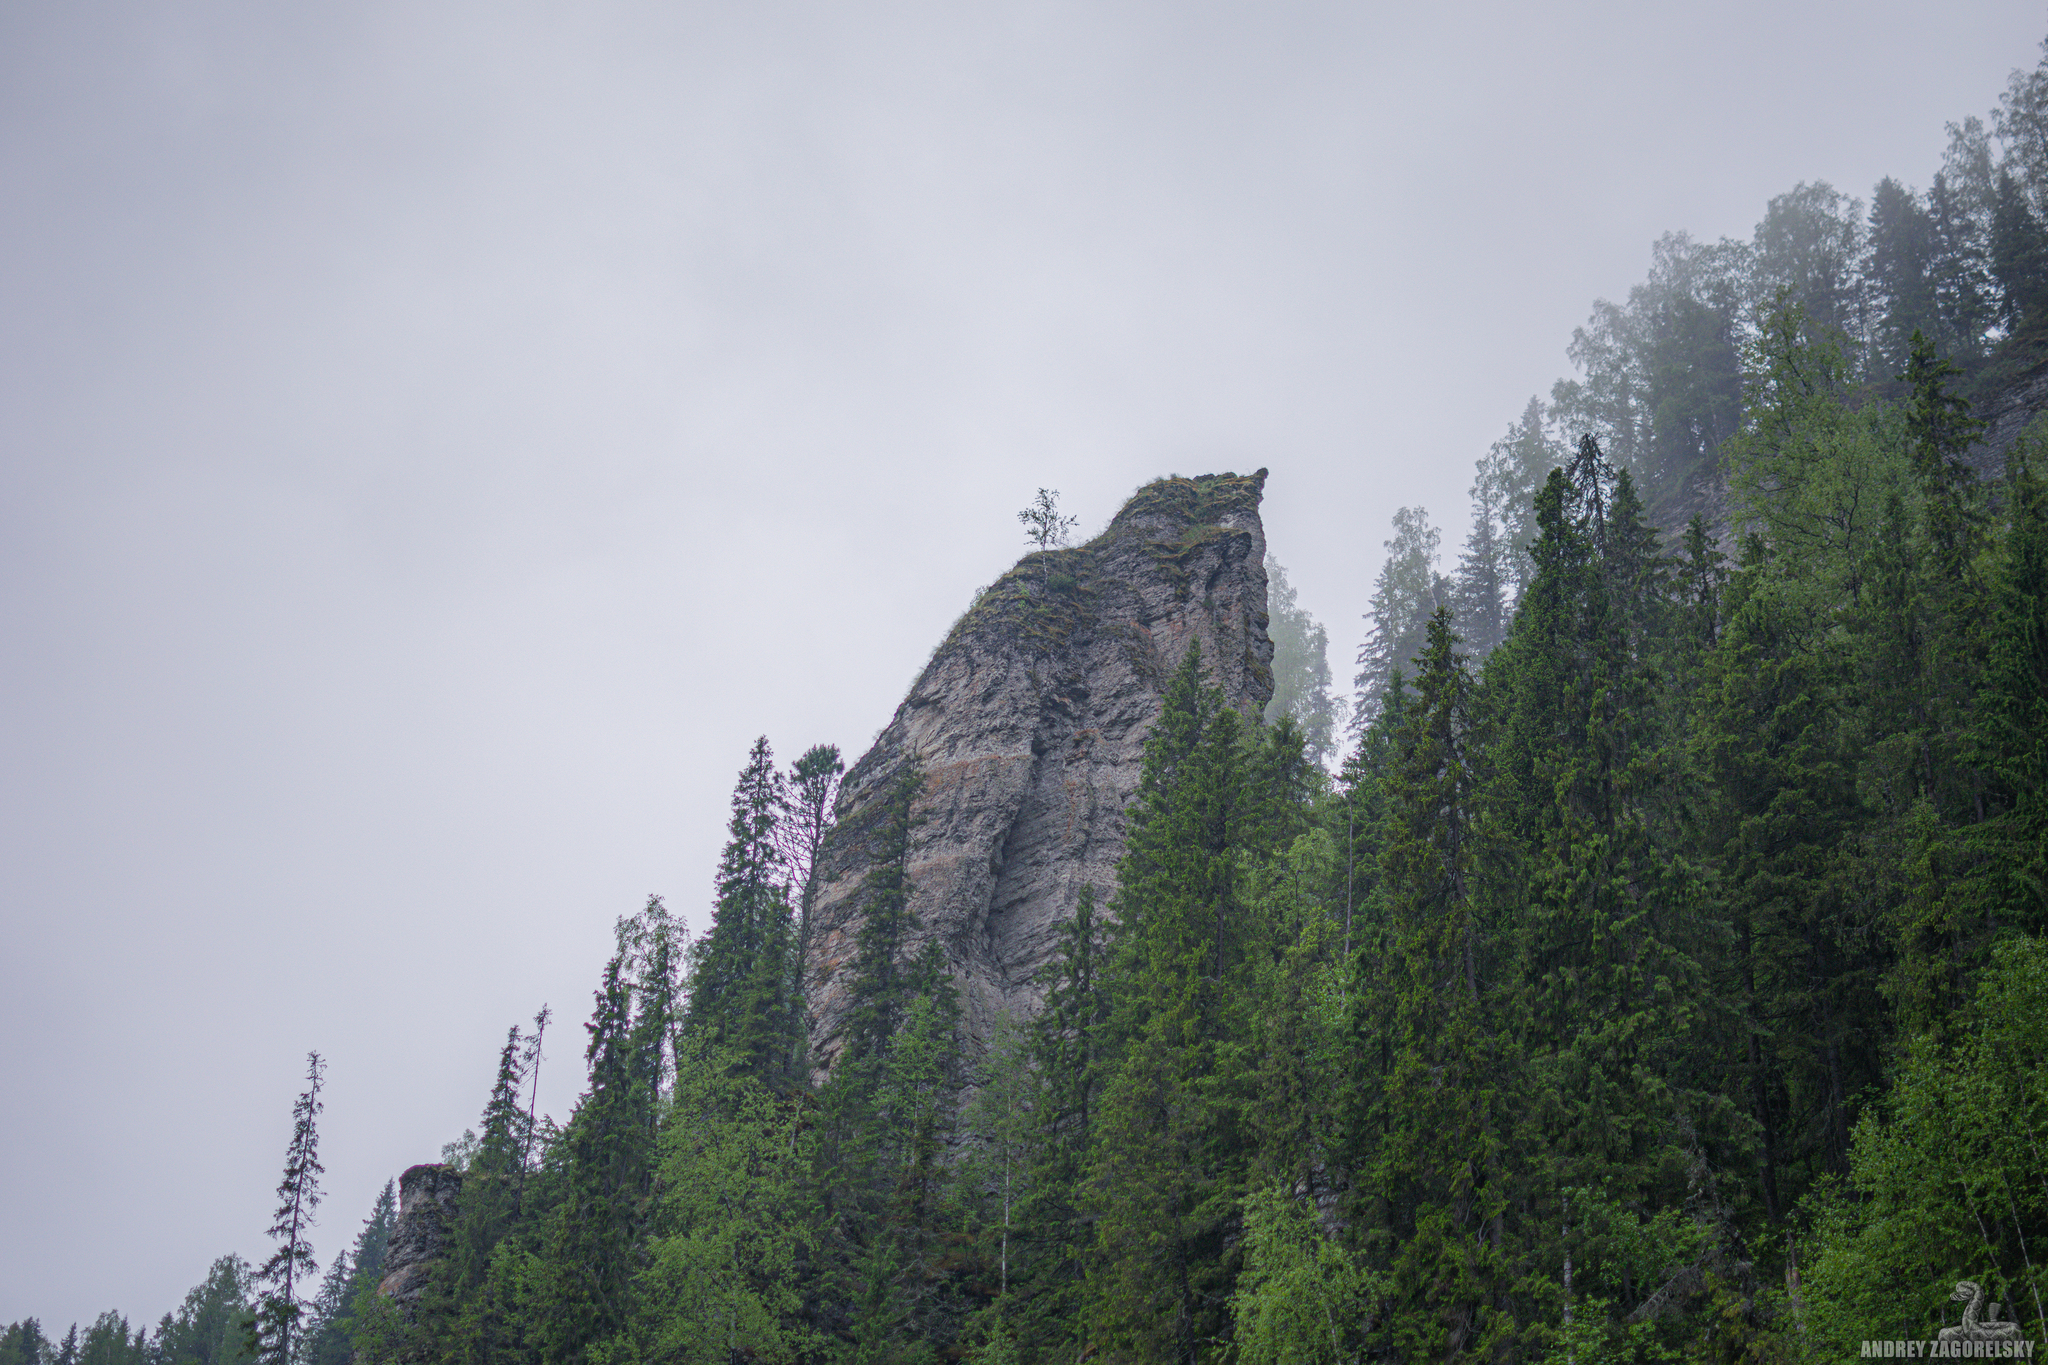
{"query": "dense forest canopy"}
pixel 1652 969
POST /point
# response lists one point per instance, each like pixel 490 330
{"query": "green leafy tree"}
pixel 1809 247
pixel 1302 1299
pixel 721 1277
pixel 1946 1178
pixel 1044 526
pixel 107 1342
pixel 211 1326
pixel 1001 1122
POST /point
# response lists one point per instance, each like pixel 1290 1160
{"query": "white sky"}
pixel 436 438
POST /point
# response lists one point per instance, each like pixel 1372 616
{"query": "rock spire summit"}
pixel 1028 724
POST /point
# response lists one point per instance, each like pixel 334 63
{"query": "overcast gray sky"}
pixel 436 438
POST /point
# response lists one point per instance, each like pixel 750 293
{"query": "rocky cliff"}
pixel 423 1233
pixel 1028 725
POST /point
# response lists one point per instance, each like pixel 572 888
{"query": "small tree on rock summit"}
pixel 1043 524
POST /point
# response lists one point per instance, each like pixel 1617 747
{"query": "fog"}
pixel 436 439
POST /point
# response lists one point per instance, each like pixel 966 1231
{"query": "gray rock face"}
pixel 1029 723
pixel 2006 413
pixel 422 1233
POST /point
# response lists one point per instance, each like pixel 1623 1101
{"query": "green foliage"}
pixel 351 1279
pixel 1406 593
pixel 1946 1181
pixel 211 1326
pixel 1670 931
pixel 743 989
pixel 2008 741
pixel 720 1273
pixel 1302 1299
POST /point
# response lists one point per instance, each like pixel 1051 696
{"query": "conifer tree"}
pixel 1484 576
pixel 476 1321
pixel 590 1251
pixel 274 1329
pixel 1702 574
pixel 743 972
pixel 881 989
pixel 1598 912
pixel 886 1113
pixel 1769 737
pixel 2009 741
pixel 1407 589
pixel 2019 255
pixel 809 794
pixel 353 1275
pixel 23 1343
pixel 1431 1167
pixel 1170 1157
pixel 1066 1042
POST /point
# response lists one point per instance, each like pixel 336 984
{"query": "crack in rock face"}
pixel 1029 726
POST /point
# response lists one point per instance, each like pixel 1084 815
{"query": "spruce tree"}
pixel 1066 1044
pixel 1769 737
pixel 23 1343
pixel 477 1326
pixel 743 989
pixel 1170 1155
pixel 809 795
pixel 590 1251
pixel 274 1329
pixel 2009 739
pixel 354 1276
pixel 1431 1172
pixel 1407 590
pixel 1301 666
pixel 886 1113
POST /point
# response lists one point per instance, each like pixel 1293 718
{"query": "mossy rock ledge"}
pixel 1029 723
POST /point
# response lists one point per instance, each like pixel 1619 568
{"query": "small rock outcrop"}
pixel 422 1234
pixel 1028 725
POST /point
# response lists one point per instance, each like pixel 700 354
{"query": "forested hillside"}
pixel 1654 972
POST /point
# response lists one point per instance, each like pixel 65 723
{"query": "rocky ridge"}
pixel 1028 725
